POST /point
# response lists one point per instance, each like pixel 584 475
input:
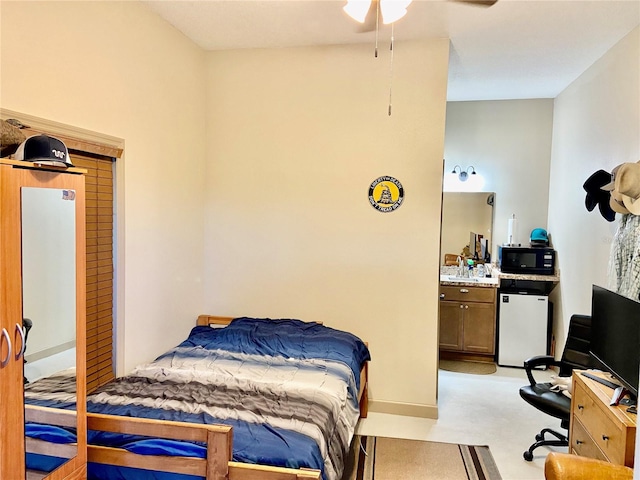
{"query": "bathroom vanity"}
pixel 468 318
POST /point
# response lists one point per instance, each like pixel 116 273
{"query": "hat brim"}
pixel 606 211
pixel 54 163
pixel 618 206
pixel 609 186
pixel 632 204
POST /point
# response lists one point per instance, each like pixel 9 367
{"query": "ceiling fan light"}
pixel 357 9
pixel 393 10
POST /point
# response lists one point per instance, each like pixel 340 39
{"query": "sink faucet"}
pixel 461 269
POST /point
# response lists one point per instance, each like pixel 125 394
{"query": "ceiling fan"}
pixel 367 12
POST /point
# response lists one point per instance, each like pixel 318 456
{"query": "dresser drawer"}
pixel 605 432
pixel 468 294
pixel 582 444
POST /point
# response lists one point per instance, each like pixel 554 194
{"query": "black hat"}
pixel 45 150
pixel 597 196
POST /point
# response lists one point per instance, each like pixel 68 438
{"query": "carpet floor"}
pixel 381 458
pixel 475 368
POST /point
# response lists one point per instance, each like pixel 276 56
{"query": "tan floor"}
pixel 478 410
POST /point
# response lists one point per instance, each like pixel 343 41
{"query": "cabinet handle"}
pixel 466 306
pixel 580 407
pixel 605 438
pixel 5 334
pixel 24 344
pixel 579 442
pixel 461 306
pixel 464 290
pixel 441 296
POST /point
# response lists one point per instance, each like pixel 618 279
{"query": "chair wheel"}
pixel 539 437
pixel 528 456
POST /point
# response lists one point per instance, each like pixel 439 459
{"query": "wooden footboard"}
pixel 217 465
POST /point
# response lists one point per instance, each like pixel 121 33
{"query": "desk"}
pixel 598 430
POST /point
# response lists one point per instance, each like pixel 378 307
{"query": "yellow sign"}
pixel 386 194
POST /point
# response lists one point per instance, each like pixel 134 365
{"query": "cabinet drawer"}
pixel 582 444
pixel 468 294
pixel 605 432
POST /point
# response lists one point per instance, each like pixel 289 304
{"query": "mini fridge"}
pixel 523 327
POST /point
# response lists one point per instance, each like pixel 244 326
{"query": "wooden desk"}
pixel 598 430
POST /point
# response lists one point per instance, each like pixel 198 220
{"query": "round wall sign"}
pixel 386 194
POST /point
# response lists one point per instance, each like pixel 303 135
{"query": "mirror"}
pixel 462 213
pixel 49 297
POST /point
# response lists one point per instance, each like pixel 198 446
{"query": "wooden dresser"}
pixel 597 429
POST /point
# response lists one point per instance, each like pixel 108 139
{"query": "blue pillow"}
pixel 49 433
pixel 159 446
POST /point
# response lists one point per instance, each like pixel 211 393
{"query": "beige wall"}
pixel 509 144
pixel 596 126
pixel 118 69
pixel 295 137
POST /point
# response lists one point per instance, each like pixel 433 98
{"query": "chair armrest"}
pixel 563 466
pixel 538 361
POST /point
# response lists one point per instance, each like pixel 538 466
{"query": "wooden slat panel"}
pixel 100 270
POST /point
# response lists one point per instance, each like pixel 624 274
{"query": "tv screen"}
pixel 615 336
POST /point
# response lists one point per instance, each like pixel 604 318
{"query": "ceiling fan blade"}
pixel 369 24
pixel 478 3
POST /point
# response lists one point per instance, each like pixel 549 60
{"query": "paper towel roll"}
pixel 512 230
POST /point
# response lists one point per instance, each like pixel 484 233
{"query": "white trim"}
pixel 63 129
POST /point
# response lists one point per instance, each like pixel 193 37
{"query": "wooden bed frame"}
pixel 218 464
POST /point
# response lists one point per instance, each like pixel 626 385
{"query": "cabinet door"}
pixel 479 328
pixel 451 314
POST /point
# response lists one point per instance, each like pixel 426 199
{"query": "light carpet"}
pixel 382 458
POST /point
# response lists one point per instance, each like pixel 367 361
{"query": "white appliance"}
pixel 523 328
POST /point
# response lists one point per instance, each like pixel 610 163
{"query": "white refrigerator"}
pixel 523 328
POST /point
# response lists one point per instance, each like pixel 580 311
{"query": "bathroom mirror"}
pixel 462 213
pixel 49 295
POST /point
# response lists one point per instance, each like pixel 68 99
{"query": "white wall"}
pixel 296 136
pixel 509 144
pixel 596 126
pixel 118 69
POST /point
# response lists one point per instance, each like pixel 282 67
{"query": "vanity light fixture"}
pixel 463 175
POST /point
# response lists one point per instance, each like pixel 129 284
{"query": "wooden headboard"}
pixel 213 320
pixel 216 320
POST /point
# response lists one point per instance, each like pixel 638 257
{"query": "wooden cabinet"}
pixel 15 178
pixel 468 320
pixel 598 430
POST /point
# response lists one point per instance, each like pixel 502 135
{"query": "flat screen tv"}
pixel 615 336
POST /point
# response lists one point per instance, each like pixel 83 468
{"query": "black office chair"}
pixel 554 403
pixel 26 324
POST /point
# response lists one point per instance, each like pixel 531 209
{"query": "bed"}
pixel 252 399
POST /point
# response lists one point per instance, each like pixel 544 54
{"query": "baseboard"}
pixel 404 409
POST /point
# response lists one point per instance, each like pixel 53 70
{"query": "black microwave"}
pixel 522 260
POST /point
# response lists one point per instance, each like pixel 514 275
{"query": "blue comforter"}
pixel 288 388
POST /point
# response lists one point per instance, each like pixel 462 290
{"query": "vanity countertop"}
pixel 448 277
pixel 451 280
pixel 536 278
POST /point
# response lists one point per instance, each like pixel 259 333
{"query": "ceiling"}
pixel 514 49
